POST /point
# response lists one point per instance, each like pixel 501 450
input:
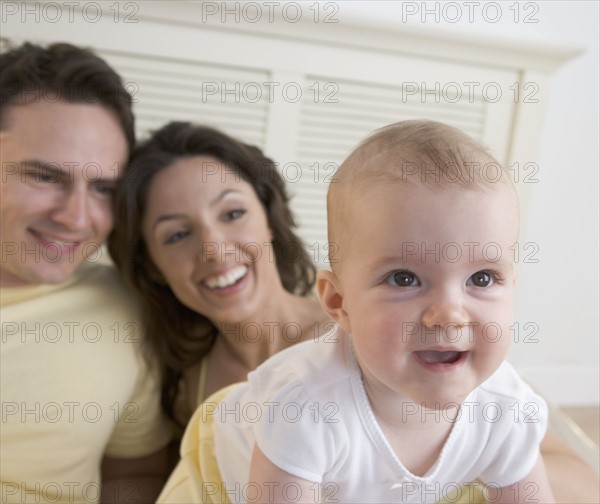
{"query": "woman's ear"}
pixel 332 298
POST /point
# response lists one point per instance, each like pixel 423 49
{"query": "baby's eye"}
pixel 234 214
pixel 175 237
pixel 403 278
pixel 481 279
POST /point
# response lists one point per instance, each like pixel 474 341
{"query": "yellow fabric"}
pixel 468 494
pixel 197 480
pixel 74 387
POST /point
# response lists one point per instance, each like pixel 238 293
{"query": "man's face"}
pixel 60 163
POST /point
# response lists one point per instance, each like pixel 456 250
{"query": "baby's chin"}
pixel 446 405
pixel 445 402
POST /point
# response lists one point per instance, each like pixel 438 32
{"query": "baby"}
pixel 409 397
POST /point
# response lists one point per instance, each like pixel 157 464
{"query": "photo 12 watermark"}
pixel 271 331
pixel 269 91
pixel 72 412
pixel 291 492
pixel 70 332
pixel 71 12
pixel 469 332
pixel 469 92
pixel 269 12
pixel 54 491
pixel 470 12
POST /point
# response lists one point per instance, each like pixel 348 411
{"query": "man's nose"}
pixel 74 211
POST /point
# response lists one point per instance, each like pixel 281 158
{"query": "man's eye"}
pixel 403 278
pixel 105 189
pixel 42 178
pixel 175 237
pixel 481 279
pixel 234 214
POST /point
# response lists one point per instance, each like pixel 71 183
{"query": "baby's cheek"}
pixel 493 343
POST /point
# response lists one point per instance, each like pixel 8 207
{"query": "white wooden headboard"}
pixel 303 87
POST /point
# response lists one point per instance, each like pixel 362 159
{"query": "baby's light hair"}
pixel 411 152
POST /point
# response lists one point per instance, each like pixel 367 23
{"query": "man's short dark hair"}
pixel 62 73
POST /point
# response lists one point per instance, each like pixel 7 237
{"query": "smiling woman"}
pixel 204 234
pixel 208 235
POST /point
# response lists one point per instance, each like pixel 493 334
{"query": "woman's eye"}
pixel 403 278
pixel 234 214
pixel 481 279
pixel 175 237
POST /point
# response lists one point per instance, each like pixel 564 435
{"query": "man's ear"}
pixel 332 298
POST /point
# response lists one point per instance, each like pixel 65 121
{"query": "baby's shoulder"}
pixel 505 383
pixel 310 369
pixel 510 397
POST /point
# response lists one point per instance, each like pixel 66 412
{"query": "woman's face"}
pixel 208 234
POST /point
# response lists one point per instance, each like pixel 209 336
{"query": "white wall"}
pixel 560 293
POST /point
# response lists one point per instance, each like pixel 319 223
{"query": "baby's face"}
pixel 427 281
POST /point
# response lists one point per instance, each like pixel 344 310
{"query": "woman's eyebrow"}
pixel 222 195
pixel 167 217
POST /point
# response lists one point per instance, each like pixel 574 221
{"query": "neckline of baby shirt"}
pixel 380 441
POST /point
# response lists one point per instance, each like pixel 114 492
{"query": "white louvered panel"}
pixel 329 131
pixel 172 90
pixel 5 44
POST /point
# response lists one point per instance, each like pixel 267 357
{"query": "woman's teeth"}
pixel 226 279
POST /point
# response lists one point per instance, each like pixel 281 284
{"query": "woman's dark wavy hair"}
pixel 177 335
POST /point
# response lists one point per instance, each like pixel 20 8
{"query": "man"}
pixel 79 402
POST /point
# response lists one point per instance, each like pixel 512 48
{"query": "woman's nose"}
pixel 213 244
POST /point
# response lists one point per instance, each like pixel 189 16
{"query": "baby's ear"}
pixel 332 298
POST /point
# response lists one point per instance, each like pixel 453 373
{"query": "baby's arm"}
pixel 276 486
pixel 532 489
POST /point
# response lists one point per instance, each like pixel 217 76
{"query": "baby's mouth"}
pixel 439 357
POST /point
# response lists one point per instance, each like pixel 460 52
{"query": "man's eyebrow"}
pixel 53 170
pixel 42 165
pixel 57 172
